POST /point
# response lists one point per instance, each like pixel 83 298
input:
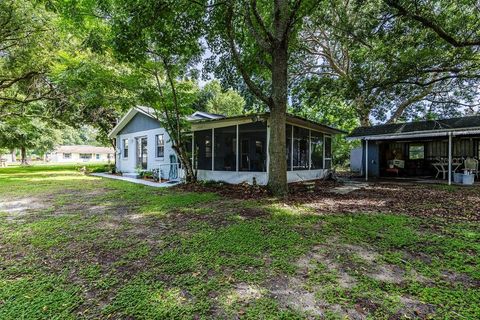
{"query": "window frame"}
pixel 157 146
pixel 85 156
pixel 69 155
pixel 125 148
pixel 410 145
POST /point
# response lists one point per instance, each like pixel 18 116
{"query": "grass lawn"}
pixel 77 246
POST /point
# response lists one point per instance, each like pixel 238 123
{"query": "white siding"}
pixel 234 177
pixel 58 157
pixel 129 164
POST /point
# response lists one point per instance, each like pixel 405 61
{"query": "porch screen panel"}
pixel 252 145
pixel 203 149
pixel 301 152
pixel 225 148
pixel 289 147
pixel 463 148
pixel 317 150
pixel 328 152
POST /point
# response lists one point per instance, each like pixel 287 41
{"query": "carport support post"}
pixel 366 160
pixel 450 158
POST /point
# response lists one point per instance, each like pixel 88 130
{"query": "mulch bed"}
pixel 410 199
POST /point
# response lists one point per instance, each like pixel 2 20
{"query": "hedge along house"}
pixel 230 149
pixel 425 149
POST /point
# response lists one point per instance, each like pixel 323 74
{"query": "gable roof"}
pixel 201 115
pixel 423 127
pixel 83 149
pixel 152 113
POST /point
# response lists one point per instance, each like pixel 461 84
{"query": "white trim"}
pixel 193 152
pixel 450 158
pixel 213 149
pixel 309 149
pixel 291 150
pixel 237 163
pixel 156 147
pixel 126 119
pixel 366 160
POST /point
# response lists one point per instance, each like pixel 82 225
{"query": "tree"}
pixel 257 38
pixel 25 134
pixel 162 40
pixel 28 41
pixel 381 66
pixel 457 22
pixel 212 98
pixel 329 108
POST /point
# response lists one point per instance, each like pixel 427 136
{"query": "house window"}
pixel 317 150
pixel 160 143
pixel 225 148
pixel 125 148
pixel 67 156
pixel 85 156
pixel 416 151
pixel 301 146
pixel 203 149
pixel 97 156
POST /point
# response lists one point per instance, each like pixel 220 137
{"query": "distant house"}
pixel 434 148
pixel 230 149
pixel 81 153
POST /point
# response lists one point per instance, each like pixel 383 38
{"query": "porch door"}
pixel 245 155
pixel 142 155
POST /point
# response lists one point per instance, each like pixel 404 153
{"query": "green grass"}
pixel 85 247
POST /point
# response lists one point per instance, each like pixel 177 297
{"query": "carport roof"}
pixel 420 127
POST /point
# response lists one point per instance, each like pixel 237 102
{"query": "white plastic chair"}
pixel 472 165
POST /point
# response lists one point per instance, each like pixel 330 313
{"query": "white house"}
pixel 230 149
pixel 81 153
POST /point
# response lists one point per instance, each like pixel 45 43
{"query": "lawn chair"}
pixel 472 166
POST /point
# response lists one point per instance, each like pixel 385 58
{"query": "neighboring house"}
pixel 8 157
pixel 81 153
pixel 418 149
pixel 230 149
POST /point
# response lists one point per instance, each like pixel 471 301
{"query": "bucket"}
pixel 457 177
pixel 468 178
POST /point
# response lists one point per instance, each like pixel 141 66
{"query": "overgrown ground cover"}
pixel 77 246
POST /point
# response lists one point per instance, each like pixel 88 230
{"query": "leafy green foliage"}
pixel 212 98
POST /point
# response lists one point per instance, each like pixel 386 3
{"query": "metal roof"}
pixel 423 128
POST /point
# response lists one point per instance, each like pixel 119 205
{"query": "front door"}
pixel 142 153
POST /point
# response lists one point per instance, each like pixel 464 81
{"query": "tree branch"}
pixel 236 57
pixel 432 26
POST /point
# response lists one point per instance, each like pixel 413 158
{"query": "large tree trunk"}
pixel 13 153
pixel 277 178
pixel 187 165
pixel 24 156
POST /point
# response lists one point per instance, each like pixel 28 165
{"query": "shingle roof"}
pixel 202 115
pixel 83 149
pixel 420 126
